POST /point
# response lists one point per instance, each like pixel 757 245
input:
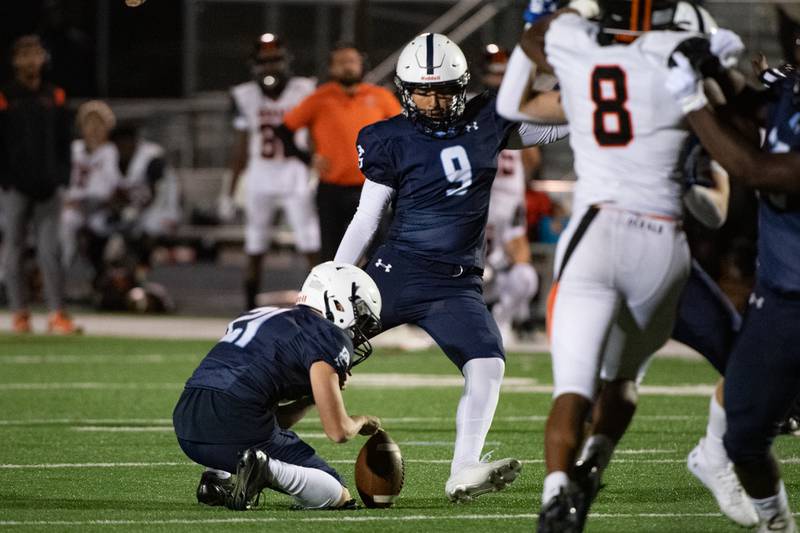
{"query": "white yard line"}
pixel 158 464
pixel 339 517
pixel 374 381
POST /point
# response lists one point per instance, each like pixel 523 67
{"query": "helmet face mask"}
pixel 625 20
pixel 348 297
pixel 432 79
pixel 269 64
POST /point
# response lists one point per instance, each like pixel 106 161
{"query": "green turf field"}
pixel 86 443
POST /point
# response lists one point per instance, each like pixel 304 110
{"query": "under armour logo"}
pixel 758 301
pixel 381 264
pixel 472 127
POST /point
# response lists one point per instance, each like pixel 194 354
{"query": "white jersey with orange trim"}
pixel 506 219
pixel 268 171
pixel 626 131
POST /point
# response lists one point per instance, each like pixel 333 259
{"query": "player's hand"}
pixel 685 85
pixel 372 424
pixel 727 46
pixel 588 9
pixel 537 9
pixel 321 164
pixel 226 209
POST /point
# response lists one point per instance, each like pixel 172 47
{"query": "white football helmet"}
pixel 691 17
pixel 348 297
pixel 431 61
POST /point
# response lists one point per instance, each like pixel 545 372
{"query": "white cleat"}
pixel 724 486
pixel 782 522
pixel 472 481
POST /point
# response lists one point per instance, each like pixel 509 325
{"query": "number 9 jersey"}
pixel 442 184
pixel 626 131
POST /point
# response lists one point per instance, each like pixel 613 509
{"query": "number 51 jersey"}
pixel 626 130
pixel 442 184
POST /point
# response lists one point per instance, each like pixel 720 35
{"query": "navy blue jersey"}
pixel 265 355
pixel 779 214
pixel 442 184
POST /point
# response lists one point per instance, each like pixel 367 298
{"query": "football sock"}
pixel 482 379
pixel 311 488
pixel 219 473
pixel 602 446
pixel 713 448
pixel 553 484
pixel 769 507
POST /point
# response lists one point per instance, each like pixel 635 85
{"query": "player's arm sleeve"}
pixel 302 115
pixel 371 206
pixel 527 134
pixel 515 89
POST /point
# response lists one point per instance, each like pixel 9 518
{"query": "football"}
pixel 379 471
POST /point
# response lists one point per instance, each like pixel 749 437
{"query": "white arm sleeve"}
pixel 529 134
pixel 515 87
pixel 371 206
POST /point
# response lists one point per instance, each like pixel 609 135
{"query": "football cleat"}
pixel 472 481
pixel 724 486
pixel 252 477
pixel 560 514
pixel 587 477
pixel 782 522
pixel 213 490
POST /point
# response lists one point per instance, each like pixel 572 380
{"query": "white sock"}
pixel 311 488
pixel 713 448
pixel 219 473
pixel 769 507
pixel 482 379
pixel 600 444
pixel 553 484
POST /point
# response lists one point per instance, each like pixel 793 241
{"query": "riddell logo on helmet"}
pixel 301 298
pixel 430 78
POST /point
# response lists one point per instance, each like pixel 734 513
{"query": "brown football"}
pixel 379 471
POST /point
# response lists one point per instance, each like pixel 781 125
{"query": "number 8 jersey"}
pixel 268 171
pixel 442 184
pixel 626 131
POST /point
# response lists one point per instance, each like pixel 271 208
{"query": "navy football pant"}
pixel 450 309
pixel 227 431
pixel 707 320
pixel 763 374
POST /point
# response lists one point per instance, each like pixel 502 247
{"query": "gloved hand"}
pixel 226 209
pixel 538 9
pixel 685 85
pixel 588 9
pixel 727 46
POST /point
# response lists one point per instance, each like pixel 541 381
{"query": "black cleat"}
pixel 213 490
pixel 252 476
pixel 587 476
pixel 560 515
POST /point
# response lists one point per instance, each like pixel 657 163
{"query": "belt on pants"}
pixel 438 267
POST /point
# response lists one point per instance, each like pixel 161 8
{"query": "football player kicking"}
pixel 627 146
pixel 435 163
pixel 265 153
pixel 233 415
pixel 763 371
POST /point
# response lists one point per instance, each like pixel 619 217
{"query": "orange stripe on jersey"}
pixel 59 96
pixel 551 304
pixel 648 15
pixel 3 102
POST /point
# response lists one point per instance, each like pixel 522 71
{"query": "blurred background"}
pixel 166 69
